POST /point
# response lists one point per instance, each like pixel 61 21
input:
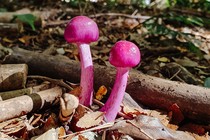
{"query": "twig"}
pixel 120 14
pixel 55 23
pixel 175 74
pixel 54 81
pixel 103 126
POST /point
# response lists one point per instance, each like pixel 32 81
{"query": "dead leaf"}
pixel 90 119
pixel 130 111
pixel 26 39
pixel 101 92
pixel 61 132
pixel 161 115
pixel 146 127
pixel 13 126
pixel 49 135
pixel 177 115
pixel 79 113
pixel 163 59
pixel 86 136
pixel 76 91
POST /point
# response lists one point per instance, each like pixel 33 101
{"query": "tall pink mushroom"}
pixel 124 55
pixel 82 31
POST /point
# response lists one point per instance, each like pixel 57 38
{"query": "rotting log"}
pixel 22 105
pixel 13 76
pixel 148 90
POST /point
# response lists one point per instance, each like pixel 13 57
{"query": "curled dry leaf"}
pixel 68 104
pixel 146 127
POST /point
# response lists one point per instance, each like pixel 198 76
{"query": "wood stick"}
pixel 26 91
pixel 14 93
pixel 13 76
pixel 151 91
pixel 24 104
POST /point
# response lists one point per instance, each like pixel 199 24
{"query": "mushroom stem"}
pixel 86 80
pixel 112 105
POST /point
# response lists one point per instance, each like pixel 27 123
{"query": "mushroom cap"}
pixel 124 54
pixel 81 29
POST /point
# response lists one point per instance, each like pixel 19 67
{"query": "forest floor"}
pixel 170 49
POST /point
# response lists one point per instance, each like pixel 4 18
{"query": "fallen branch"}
pixel 14 93
pixel 24 104
pixel 151 91
pixel 26 91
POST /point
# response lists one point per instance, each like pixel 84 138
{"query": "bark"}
pixel 148 90
pixel 13 76
pixel 22 105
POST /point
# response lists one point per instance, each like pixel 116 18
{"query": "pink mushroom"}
pixel 82 31
pixel 124 55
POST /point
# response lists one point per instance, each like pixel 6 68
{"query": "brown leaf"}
pixel 76 91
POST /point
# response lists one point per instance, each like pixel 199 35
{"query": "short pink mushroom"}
pixel 124 55
pixel 82 31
